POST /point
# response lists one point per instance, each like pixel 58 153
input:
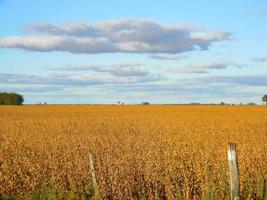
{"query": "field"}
pixel 140 152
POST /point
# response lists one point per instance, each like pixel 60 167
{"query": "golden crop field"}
pixel 140 152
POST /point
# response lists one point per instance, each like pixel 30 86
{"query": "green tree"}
pixel 264 98
pixel 11 99
pixel 146 103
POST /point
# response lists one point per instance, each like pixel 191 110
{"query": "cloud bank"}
pixel 117 70
pixel 204 67
pixel 259 59
pixel 102 89
pixel 112 76
pixel 125 36
pixel 168 57
pixel 250 80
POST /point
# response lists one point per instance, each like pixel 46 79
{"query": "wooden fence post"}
pixel 92 169
pixel 233 168
pixel 265 189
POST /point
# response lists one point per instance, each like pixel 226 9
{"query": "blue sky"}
pixel 134 51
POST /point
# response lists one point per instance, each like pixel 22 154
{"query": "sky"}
pixel 102 52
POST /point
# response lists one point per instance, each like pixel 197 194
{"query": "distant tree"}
pixel 195 103
pixel 264 98
pixel 145 103
pixel 11 99
pixel 251 104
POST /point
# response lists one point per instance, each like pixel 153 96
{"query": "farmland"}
pixel 140 152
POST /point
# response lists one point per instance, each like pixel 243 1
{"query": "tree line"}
pixel 11 99
pixel 17 99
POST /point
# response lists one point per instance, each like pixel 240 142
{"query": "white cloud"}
pixel 58 43
pixel 118 70
pixel 204 67
pixel 168 57
pixel 77 79
pixel 249 80
pixel 126 35
pixel 259 59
